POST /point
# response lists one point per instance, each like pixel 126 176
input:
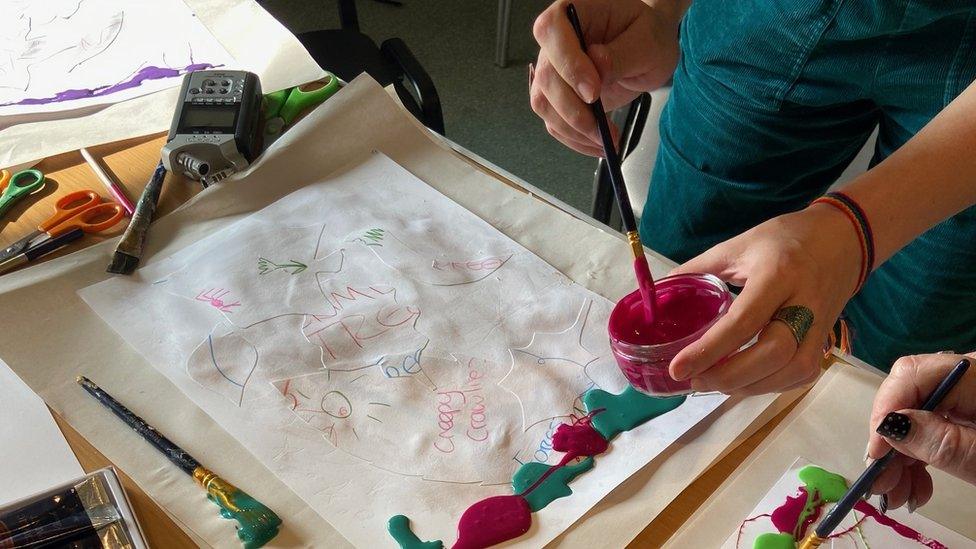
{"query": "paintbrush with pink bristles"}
pixel 644 279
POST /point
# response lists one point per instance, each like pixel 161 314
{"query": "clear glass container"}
pixel 700 300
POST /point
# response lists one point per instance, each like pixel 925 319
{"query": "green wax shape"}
pixel 625 411
pixel 399 528
pixel 774 541
pixel 554 487
pixel 256 524
pixel 829 486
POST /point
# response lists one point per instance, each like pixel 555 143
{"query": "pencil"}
pixel 256 524
pixel 114 189
pixel 867 478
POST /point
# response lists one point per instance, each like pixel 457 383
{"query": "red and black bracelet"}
pixel 862 227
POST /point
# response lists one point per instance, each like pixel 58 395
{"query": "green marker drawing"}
pixel 373 236
pixel 266 266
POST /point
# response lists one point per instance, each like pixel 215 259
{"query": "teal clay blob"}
pixel 625 411
pixel 829 486
pixel 774 541
pixel 256 524
pixel 399 528
pixel 554 487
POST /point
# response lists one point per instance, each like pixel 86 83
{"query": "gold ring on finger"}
pixel 798 318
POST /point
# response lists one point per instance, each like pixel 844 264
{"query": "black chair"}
pixel 347 52
pixel 631 123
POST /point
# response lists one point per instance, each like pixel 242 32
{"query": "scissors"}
pixel 17 186
pixel 281 108
pixel 75 210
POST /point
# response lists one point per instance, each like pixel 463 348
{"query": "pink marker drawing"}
pixel 214 296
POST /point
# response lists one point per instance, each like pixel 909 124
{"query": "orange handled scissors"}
pixel 78 210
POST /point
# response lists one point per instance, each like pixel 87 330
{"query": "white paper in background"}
pixel 383 351
pixel 34 456
pixel 868 533
pixel 58 55
pixel 280 62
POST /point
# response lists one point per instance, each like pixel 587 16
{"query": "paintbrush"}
pixel 863 483
pixel 644 279
pixel 129 250
pixel 256 524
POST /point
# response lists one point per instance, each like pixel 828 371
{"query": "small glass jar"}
pixel 700 298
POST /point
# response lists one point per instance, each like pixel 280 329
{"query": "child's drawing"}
pixel 379 349
pixel 66 54
pixel 291 267
pixel 215 297
pixel 447 432
pixel 557 360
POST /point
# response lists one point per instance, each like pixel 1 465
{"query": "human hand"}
pixel 945 439
pixel 632 46
pixel 810 258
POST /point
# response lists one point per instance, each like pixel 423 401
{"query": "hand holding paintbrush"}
pixel 895 427
pixel 644 279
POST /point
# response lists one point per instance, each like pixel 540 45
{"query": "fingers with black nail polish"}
pixel 895 426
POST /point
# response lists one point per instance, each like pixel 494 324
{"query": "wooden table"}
pixel 132 163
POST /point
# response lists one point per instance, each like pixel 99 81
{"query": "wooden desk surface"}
pixel 132 163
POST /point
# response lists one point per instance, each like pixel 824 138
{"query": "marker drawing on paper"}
pixel 408 347
pixel 67 54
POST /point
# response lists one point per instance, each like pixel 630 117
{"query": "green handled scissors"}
pixel 282 108
pixel 17 186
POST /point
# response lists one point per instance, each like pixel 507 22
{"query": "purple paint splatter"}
pixel 144 74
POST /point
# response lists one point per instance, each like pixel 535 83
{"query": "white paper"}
pixel 59 55
pixel 280 62
pixel 46 294
pixel 34 455
pixel 857 530
pixel 368 326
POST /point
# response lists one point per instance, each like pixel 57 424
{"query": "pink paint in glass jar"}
pixel 687 306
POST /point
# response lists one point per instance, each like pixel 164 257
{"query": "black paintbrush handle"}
pixel 175 454
pixel 867 478
pixel 613 158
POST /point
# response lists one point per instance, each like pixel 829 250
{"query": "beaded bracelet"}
pixel 862 227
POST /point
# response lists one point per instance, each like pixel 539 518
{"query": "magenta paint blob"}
pixel 492 521
pixel 579 439
pixel 685 307
pixel 897 527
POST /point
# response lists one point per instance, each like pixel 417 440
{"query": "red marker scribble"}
pixel 214 296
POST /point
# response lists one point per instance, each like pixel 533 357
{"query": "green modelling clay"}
pixel 625 411
pixel 256 524
pixel 774 541
pixel 399 528
pixel 830 486
pixel 554 487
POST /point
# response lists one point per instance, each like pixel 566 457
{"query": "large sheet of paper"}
pixel 59 55
pixel 35 454
pixel 828 427
pixel 220 32
pixel 895 529
pixel 369 326
pixel 75 340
